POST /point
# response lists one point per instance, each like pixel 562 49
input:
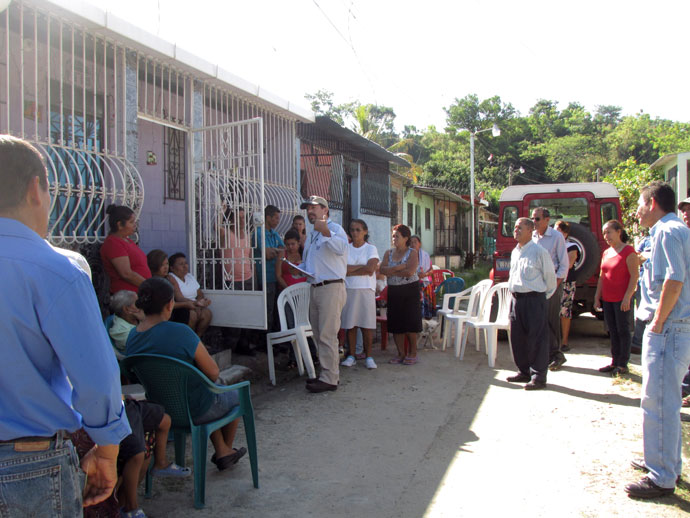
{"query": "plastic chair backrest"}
pixel 450 285
pixel 499 290
pixel 297 298
pixel 503 303
pixel 437 278
pixel 169 382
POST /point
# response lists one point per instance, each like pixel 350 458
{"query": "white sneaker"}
pixel 348 362
pixel 370 363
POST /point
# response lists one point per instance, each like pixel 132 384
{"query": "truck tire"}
pixel 590 252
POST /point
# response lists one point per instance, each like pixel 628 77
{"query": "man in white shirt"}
pixel 554 243
pixel 325 259
pixel 532 281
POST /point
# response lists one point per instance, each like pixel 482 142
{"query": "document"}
pixel 305 272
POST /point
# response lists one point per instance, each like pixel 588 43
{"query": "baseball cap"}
pixel 314 200
pixel 686 201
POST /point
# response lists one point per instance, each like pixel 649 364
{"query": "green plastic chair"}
pixel 169 382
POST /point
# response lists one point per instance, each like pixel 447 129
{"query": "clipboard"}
pixel 305 272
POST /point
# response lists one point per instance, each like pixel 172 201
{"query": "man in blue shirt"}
pixel 274 249
pixel 554 243
pixel 666 342
pixel 57 369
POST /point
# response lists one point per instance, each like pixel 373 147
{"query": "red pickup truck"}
pixel 586 206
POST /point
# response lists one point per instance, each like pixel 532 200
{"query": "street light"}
pixel 495 131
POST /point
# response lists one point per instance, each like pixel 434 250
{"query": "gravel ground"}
pixel 443 438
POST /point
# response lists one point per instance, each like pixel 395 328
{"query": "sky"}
pixel 418 57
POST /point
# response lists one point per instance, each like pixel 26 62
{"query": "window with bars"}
pixel 174 156
pixel 375 192
pixel 427 219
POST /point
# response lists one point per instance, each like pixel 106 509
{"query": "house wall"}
pixel 379 232
pixel 162 223
pixel 423 201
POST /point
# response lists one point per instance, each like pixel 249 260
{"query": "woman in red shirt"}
pixel 620 270
pixel 123 261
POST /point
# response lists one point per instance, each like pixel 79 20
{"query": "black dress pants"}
pixel 529 334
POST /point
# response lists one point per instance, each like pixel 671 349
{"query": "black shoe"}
pixel 320 386
pixel 608 368
pixel 557 363
pixel 312 380
pixel 535 385
pixel 635 349
pixel 645 488
pixel 565 348
pixel 618 371
pixel 518 378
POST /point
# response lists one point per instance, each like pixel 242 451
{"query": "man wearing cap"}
pixel 57 369
pixel 325 258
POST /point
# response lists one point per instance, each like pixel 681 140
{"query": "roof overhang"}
pixel 667 159
pixel 99 21
pixel 335 130
pixel 440 193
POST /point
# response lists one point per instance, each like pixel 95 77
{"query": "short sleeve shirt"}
pixel 358 257
pixel 114 247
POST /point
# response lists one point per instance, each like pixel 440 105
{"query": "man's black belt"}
pixel 518 295
pixel 327 282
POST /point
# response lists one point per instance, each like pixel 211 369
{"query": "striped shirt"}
pixel 670 260
pixel 531 269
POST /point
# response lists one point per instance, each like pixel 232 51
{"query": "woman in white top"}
pixel 187 288
pixel 360 307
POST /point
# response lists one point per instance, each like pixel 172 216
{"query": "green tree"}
pixel 628 177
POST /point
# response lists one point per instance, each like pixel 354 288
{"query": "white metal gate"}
pixel 228 184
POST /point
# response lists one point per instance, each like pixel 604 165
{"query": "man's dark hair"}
pixel 271 210
pixel 544 212
pixel 20 162
pixel 662 193
pixel 154 294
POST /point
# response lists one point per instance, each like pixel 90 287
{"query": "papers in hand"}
pixel 305 272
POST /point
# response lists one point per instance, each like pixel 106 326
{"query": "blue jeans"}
pixel 41 483
pixel 619 331
pixel 665 358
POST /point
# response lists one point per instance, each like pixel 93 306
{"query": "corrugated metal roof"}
pixel 335 130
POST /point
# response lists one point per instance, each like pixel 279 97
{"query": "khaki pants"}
pixel 325 307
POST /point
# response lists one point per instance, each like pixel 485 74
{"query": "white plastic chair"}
pixel 455 312
pixel 297 298
pixel 490 327
pixel 456 320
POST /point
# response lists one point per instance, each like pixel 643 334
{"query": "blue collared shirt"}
pixel 326 257
pixel 531 269
pixel 670 260
pixel 273 240
pixel 645 309
pixel 57 367
pixel 554 242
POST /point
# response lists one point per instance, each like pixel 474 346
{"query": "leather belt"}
pixel 324 283
pixel 35 443
pixel 519 295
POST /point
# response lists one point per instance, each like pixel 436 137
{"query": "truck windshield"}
pixel 572 210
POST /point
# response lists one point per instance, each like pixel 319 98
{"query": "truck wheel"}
pixel 590 252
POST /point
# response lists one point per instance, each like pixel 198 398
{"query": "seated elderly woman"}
pixel 188 290
pixel 159 266
pixel 126 315
pixel 156 335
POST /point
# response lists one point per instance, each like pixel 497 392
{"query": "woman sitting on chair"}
pixel 155 335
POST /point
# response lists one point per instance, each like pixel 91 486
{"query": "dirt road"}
pixel 444 438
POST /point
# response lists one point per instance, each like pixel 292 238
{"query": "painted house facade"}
pixel 124 117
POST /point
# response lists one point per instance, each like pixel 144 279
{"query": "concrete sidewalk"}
pixel 443 438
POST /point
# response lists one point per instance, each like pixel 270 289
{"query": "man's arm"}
pixel 562 254
pixel 548 273
pixel 670 291
pixel 337 242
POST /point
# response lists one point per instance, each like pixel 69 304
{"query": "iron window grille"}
pixel 175 158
